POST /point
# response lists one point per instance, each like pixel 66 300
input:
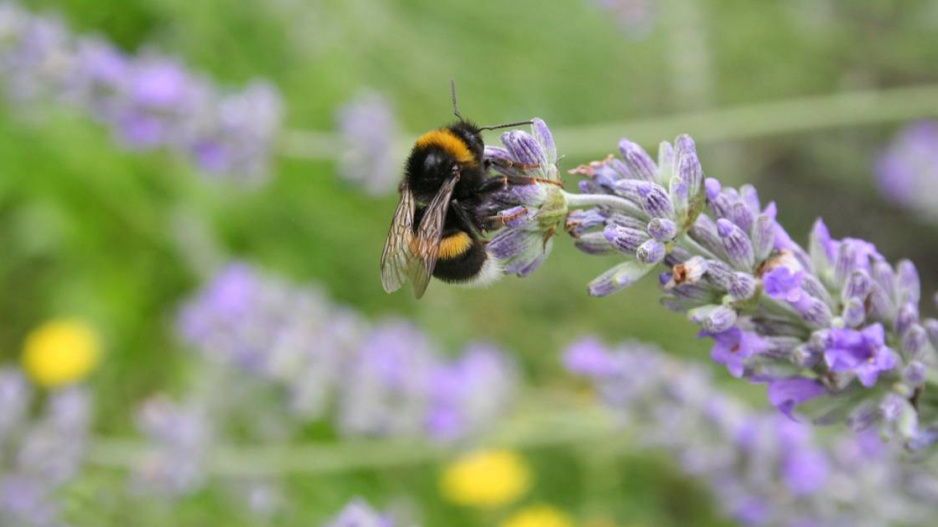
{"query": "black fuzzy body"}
pixel 428 167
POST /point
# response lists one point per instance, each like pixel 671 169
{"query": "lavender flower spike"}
pixel 764 468
pixel 148 102
pixel 830 329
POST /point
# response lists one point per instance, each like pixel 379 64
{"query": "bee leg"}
pixel 498 221
pixel 507 164
pixel 493 184
pixel 530 180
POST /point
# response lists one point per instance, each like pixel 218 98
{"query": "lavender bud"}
pixel 854 313
pixel 662 229
pixel 650 252
pixel 722 206
pixel 881 305
pixel 524 147
pixel 886 278
pixel 713 188
pixel 845 263
pixel 913 341
pixel 742 216
pixel 629 189
pixel 820 247
pixel 628 222
pixel 704 232
pixel 677 256
pixel 639 163
pixel 688 164
pixel 679 197
pixel 817 314
pixel 720 274
pixel 715 319
pixel 763 237
pixel 593 243
pixel 737 245
pixel 751 198
pixel 580 221
pixel 617 278
pixel 858 285
pixel 805 357
pixel 906 317
pixel 625 239
pixel 931 327
pixel 813 286
pixel 655 201
pixel 914 373
pixel 909 285
pixel 666 158
pixel 742 286
pixel 699 292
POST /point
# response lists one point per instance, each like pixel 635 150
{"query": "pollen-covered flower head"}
pixel 533 206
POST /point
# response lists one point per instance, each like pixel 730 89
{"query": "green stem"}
pixel 567 427
pixel 616 203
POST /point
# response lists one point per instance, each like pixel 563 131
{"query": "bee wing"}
pixel 396 258
pixel 429 233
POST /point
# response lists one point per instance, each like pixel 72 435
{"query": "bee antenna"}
pixel 452 89
pixel 506 125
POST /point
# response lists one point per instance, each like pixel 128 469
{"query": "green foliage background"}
pixel 87 229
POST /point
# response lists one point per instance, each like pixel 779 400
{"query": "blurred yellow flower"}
pixel 487 478
pixel 538 516
pixel 61 352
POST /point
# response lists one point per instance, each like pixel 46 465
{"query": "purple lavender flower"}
pixel 370 135
pixel 179 436
pixel 383 380
pixel 765 469
pixel 539 210
pixel 827 316
pixel 733 346
pixel 907 170
pixel 148 102
pixel 468 394
pixel 862 352
pixel 266 326
pixel 39 454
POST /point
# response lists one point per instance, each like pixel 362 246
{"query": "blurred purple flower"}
pixel 907 170
pixel 370 136
pixel 384 380
pixel 39 454
pixel 359 514
pixel 149 101
pixel 763 468
pixel 179 435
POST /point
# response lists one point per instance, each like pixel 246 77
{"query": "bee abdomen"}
pixel 464 260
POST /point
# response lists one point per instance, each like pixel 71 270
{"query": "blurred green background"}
pixel 92 231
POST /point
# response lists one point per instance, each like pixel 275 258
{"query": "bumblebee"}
pixel 437 230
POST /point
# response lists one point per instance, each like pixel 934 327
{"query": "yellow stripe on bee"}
pixel 454 245
pixel 449 142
